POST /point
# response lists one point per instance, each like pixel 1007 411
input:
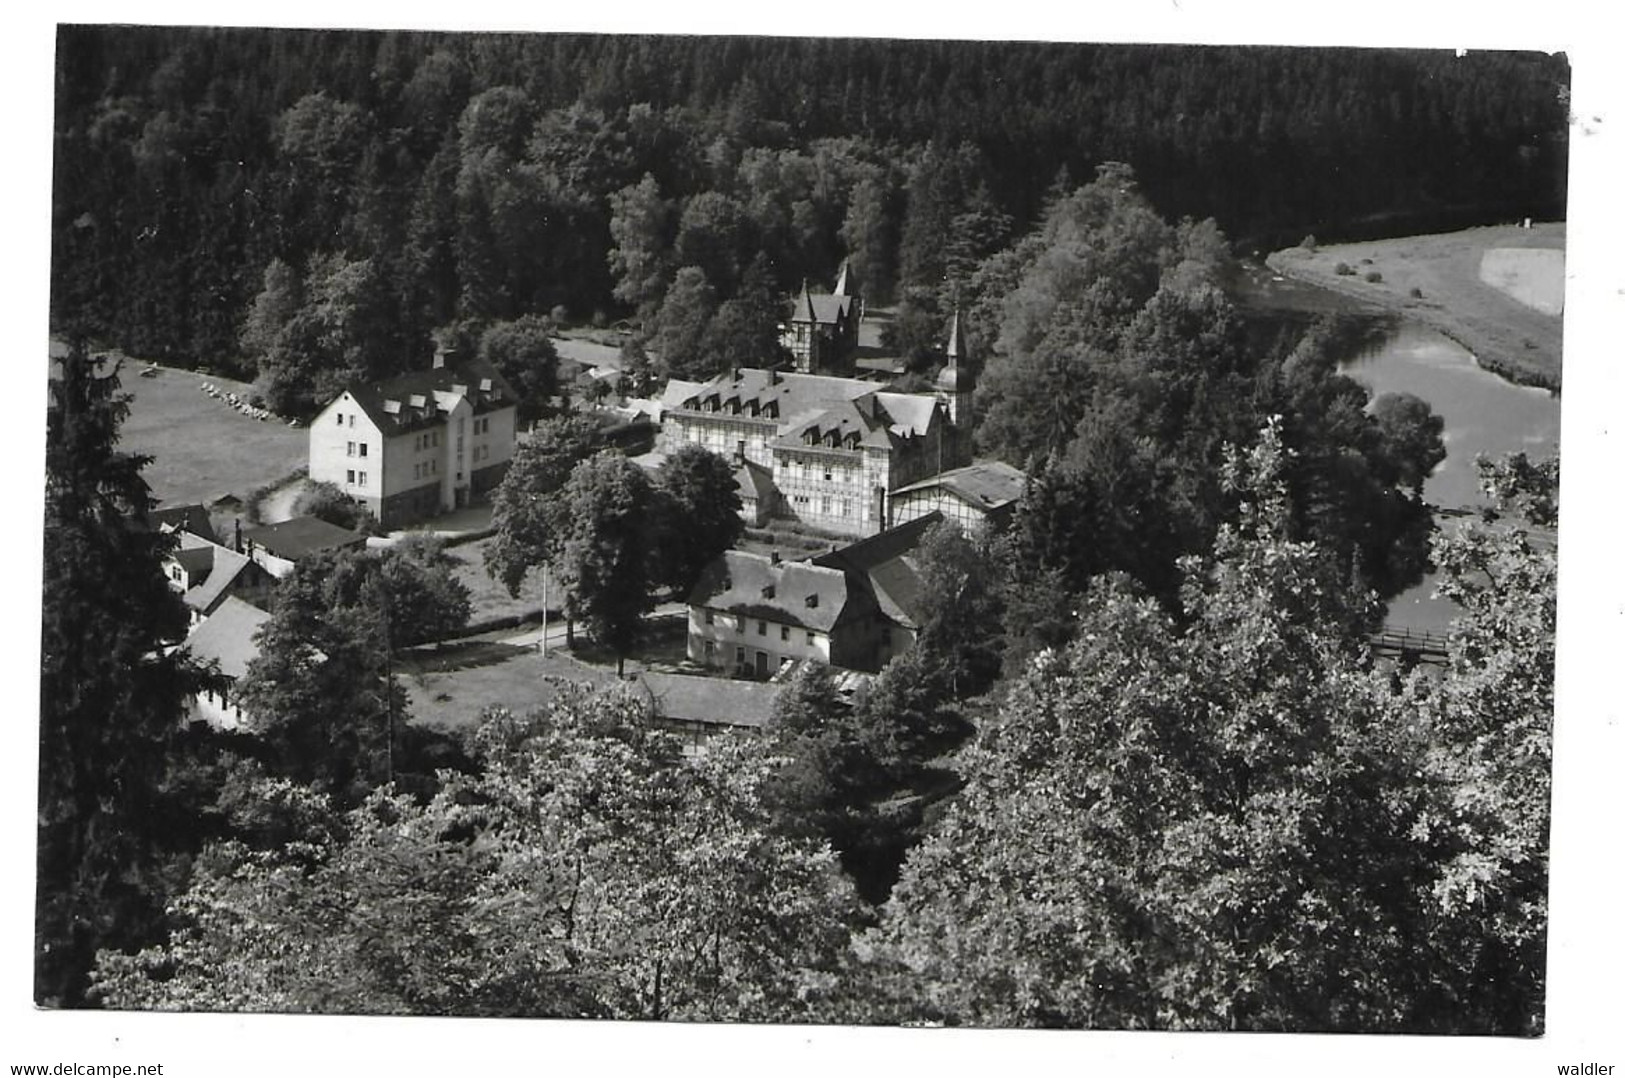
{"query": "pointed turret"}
pixel 804 306
pixel 953 384
pixel 841 283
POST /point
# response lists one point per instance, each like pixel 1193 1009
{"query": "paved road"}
pixel 531 635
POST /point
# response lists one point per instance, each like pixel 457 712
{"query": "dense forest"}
pixel 213 184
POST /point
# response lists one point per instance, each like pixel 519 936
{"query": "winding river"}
pixel 1483 413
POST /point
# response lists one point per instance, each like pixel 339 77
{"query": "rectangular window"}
pixel 340 417
pixel 812 638
pixel 352 419
pixel 349 476
pixel 349 449
pixel 739 656
pixel 710 617
pixel 363 448
pixel 361 478
pixel 761 628
pixel 784 632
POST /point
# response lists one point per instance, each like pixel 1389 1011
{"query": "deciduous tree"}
pixel 700 503
pixel 525 508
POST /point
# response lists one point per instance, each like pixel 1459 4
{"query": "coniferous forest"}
pixel 412 180
pixel 1141 768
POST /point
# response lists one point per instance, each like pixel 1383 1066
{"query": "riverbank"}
pixel 1512 325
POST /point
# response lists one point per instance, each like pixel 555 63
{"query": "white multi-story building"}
pixel 418 444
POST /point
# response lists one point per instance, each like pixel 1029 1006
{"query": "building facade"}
pixel 822 334
pixel 977 497
pixel 855 608
pixel 833 448
pixel 419 444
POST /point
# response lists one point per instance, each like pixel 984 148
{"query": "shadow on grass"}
pixel 464 655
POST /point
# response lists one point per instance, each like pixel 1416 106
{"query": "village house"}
pixel 206 574
pixel 978 497
pixel 418 444
pixel 855 608
pixel 822 334
pixel 750 613
pixel 699 708
pixel 227 637
pixel 277 547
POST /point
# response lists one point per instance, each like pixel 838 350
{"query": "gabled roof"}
pixel 788 593
pixel 886 563
pixel 788 394
pixel 196 560
pixel 417 399
pixel 293 539
pixel 186 518
pixel 218 566
pixel 754 480
pixel 824 310
pixel 877 419
pixel 986 485
pixel 227 636
pixel 709 700
pixel 910 412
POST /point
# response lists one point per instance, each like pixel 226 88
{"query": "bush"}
pixel 560 314
pixel 1344 270
pixel 1309 243
pixel 325 501
pixel 1374 277
pixel 1416 293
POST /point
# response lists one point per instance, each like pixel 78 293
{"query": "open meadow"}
pixel 1497 290
pixel 202 447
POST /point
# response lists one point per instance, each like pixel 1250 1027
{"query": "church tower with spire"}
pixel 953 381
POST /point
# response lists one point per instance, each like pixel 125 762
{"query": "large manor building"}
pixel 419 444
pixel 823 450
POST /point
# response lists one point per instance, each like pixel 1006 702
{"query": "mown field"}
pixel 1497 290
pixel 451 686
pixel 201 447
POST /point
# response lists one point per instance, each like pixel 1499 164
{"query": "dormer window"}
pixel 767 592
pixel 812 600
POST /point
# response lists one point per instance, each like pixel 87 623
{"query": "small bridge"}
pixel 1414 644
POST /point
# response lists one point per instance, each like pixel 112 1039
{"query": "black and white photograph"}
pixel 716 541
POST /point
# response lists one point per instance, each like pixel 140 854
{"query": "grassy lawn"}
pixel 1440 280
pixel 201 447
pixel 450 687
pixel 489 598
pixel 452 684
